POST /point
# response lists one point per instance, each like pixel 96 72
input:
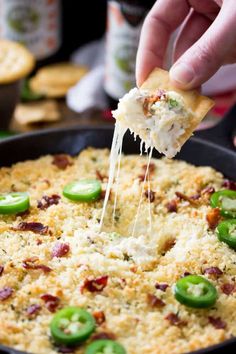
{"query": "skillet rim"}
pixel 106 127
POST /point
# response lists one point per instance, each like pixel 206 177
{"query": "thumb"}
pixel 207 55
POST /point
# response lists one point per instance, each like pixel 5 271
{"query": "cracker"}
pixel 198 104
pixel 15 61
pixel 52 91
pixel 43 111
pixel 61 74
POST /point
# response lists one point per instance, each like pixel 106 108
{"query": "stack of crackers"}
pixel 50 82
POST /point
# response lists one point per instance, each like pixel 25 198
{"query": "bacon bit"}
pixel 186 274
pixel 175 320
pixel 61 161
pixel 35 227
pixel 208 190
pixel 154 301
pixel 1 270
pixel 47 201
pixel 182 196
pixel 51 302
pixel 172 206
pixel 100 176
pixel 214 271
pixel 213 218
pixel 60 249
pixel 5 293
pixel 217 322
pixel 97 284
pixel 29 263
pixel 99 317
pixel 150 100
pixel 168 245
pixel 141 178
pixel 103 193
pixel 150 195
pixel 104 335
pixel 39 242
pixel 33 310
pixel 161 287
pixel 195 196
pixel 65 350
pixel 151 167
pixel 228 184
pixel 228 288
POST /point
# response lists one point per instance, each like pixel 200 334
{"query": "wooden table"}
pixel 69 119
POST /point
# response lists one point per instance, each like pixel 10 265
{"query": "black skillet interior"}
pixel 197 150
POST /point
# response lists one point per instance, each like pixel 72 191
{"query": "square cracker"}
pixel 198 104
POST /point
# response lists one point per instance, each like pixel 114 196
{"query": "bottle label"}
pixel 123 32
pixel 35 24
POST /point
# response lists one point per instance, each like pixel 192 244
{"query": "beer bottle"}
pixel 124 23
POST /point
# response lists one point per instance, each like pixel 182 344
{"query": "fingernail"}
pixel 182 74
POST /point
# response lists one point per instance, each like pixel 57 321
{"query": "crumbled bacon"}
pixel 213 271
pixel 228 184
pixel 103 193
pixel 61 161
pixel 151 167
pixel 104 335
pixel 60 249
pixel 213 218
pixel 35 227
pixel 168 245
pixel 99 317
pixel 191 201
pixel 47 201
pixel 33 310
pixel 162 286
pixel 228 288
pixel 175 320
pixel 29 263
pixel 100 176
pixel 172 206
pixel 150 100
pixel 51 302
pixel 208 190
pixel 5 293
pixel 1 270
pixel 39 242
pixel 217 322
pixel 97 284
pixel 154 301
pixel 186 274
pixel 150 195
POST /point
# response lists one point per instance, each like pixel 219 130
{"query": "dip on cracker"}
pixel 164 117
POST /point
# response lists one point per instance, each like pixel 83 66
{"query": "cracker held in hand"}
pixel 163 116
pixel 15 61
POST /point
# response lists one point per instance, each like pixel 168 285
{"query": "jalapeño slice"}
pixel 226 232
pixel 225 200
pixel 195 291
pixel 13 203
pixel 86 190
pixel 71 326
pixel 105 346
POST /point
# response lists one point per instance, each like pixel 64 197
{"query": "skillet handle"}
pixel 223 133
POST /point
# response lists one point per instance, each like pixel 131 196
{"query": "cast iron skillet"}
pixel 212 147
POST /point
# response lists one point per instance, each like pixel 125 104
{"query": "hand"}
pixel 206 41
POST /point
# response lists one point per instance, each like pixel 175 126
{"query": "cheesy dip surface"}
pixel 55 255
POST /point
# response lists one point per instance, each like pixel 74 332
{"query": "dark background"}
pixel 82 21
